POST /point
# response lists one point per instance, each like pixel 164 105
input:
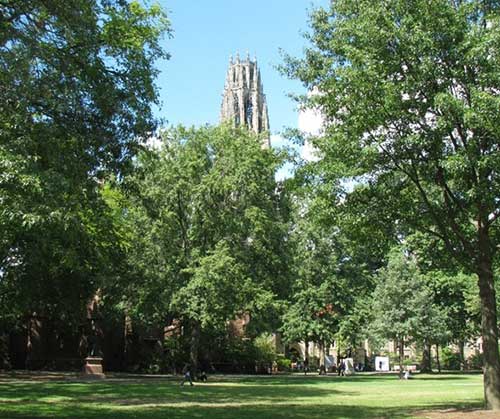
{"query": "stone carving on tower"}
pixel 244 102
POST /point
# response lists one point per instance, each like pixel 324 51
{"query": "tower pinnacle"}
pixel 244 102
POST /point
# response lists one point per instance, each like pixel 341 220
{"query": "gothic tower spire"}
pixel 244 102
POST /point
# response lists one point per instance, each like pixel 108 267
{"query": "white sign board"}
pixel 381 363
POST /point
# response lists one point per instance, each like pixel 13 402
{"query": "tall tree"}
pixel 332 267
pixel 409 91
pixel 76 95
pixel 402 306
pixel 450 287
pixel 210 229
pixel 320 293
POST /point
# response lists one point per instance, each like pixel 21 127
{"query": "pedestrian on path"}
pixel 187 375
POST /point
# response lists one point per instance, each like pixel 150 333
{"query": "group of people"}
pixel 341 368
pixel 341 371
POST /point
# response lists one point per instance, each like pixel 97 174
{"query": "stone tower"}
pixel 244 102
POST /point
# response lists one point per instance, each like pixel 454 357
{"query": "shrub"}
pixel 313 363
pixel 410 361
pixel 450 360
pixel 265 349
pixel 284 364
pixel 4 353
pixel 475 361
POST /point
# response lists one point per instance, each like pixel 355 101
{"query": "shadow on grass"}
pixel 222 398
pixel 288 411
pixel 167 391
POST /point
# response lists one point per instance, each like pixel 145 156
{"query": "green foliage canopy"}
pixel 409 92
pixel 208 227
pixel 76 90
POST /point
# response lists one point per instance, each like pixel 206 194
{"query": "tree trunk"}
pixel 195 344
pixel 306 357
pixel 29 344
pixel 322 369
pixel 426 357
pixel 437 359
pixel 489 327
pixel 461 353
pixel 401 356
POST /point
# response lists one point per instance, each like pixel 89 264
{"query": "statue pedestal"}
pixel 93 367
pixel 349 366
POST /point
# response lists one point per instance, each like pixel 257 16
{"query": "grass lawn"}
pixel 238 397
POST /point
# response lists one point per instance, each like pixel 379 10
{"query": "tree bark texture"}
pixel 426 358
pixel 322 369
pixel 194 347
pixel 438 362
pixel 401 356
pixel 489 328
pixel 461 352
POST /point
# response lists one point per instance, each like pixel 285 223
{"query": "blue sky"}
pixel 207 32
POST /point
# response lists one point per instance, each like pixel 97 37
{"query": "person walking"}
pixel 187 375
pixel 342 367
